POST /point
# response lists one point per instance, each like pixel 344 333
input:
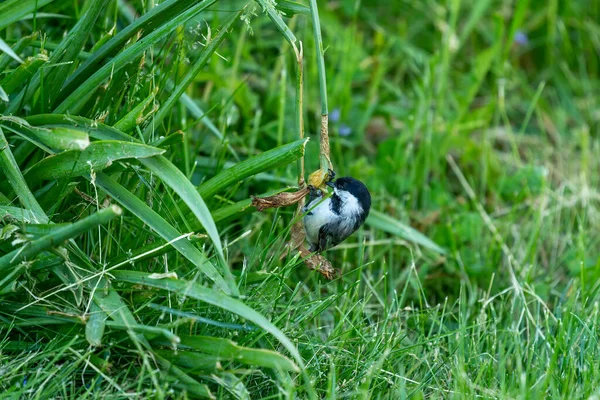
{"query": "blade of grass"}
pixel 61 59
pixel 169 174
pixel 22 43
pixel 9 51
pixel 210 296
pixel 268 160
pixel 95 157
pixel 189 77
pixel 13 10
pixel 143 25
pixel 73 102
pixel 31 249
pixel 184 381
pixel 229 350
pixel 15 178
pixel 162 227
pixel 388 224
pixel 48 139
pixel 177 181
pixel 22 215
pixel 23 73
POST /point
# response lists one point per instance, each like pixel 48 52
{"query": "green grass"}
pixel 132 136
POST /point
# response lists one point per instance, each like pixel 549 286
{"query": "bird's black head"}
pixel 357 189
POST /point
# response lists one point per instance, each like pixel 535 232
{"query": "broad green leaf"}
pixel 176 180
pixel 11 170
pixel 85 125
pixel 13 10
pixel 31 249
pixel 73 102
pixel 289 8
pixel 170 175
pixel 94 326
pixel 20 214
pixel 210 296
pixel 183 380
pixel 49 139
pixel 279 156
pixel 388 224
pixel 228 350
pixel 23 73
pixel 94 158
pixel 162 227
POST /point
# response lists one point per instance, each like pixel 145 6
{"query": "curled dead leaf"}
pixel 318 263
pixel 279 200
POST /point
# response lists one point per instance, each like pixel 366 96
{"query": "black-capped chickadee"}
pixel 331 220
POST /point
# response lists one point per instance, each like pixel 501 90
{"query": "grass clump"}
pixel 132 135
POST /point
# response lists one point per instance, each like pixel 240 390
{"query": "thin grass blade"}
pixel 391 225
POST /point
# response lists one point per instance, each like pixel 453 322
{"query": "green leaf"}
pixel 22 43
pixel 20 214
pixel 8 50
pixel 162 227
pixel 279 156
pixel 183 380
pixel 61 59
pixel 3 95
pixel 269 8
pixel 49 139
pixel 189 77
pixel 31 249
pixel 210 296
pixel 70 46
pixel 94 326
pixel 11 170
pixel 23 73
pixel 388 224
pixel 172 177
pixel 84 125
pixel 290 8
pixel 134 117
pixel 95 157
pixel 228 350
pixel 13 10
pixel 74 102
pixel 176 180
pixel 143 25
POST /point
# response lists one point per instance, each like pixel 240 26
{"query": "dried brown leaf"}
pixel 279 200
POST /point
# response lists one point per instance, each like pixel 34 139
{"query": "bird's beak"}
pixel 331 184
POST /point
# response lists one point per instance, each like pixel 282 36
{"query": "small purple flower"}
pixel 521 38
pixel 335 114
pixel 345 130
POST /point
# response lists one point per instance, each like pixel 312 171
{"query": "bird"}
pixel 329 220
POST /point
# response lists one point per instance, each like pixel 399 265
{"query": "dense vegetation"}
pixel 133 135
